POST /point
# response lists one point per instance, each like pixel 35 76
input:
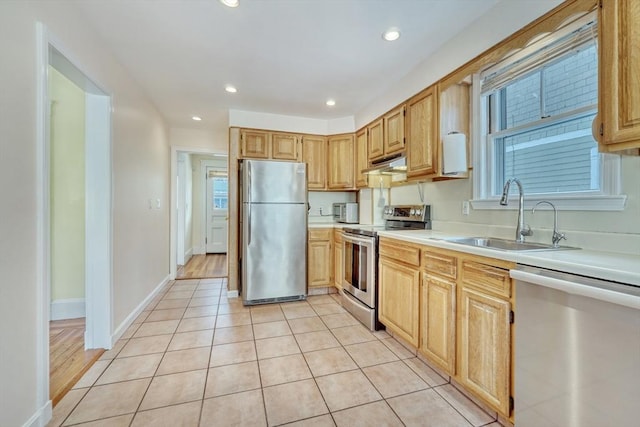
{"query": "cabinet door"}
pixel 437 325
pixel 284 146
pixel 362 160
pixel 394 131
pixel 254 144
pixel 319 263
pixel 399 288
pixel 422 147
pixel 619 95
pixel 337 263
pixel 484 342
pixel 314 154
pixel 341 162
pixel 375 138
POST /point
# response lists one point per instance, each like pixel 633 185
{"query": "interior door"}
pixel 217 210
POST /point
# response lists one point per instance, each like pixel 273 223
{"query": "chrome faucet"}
pixel 521 232
pixel 556 237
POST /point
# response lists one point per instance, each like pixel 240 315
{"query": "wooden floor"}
pixel 68 360
pixel 204 267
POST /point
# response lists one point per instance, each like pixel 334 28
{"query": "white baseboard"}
pixel 70 308
pixel 41 417
pixel 233 294
pixel 198 250
pixel 136 312
pixel 187 255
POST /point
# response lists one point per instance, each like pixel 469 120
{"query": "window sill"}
pixel 567 203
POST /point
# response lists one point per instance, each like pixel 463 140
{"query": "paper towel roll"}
pixel 454 153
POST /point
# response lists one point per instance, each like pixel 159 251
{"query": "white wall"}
pixel 604 231
pixel 215 141
pixel 140 172
pixel 67 124
pixel 504 19
pixel 324 200
pixel 256 120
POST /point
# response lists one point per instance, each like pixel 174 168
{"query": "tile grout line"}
pixel 254 342
pixel 324 400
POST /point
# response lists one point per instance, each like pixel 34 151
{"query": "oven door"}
pixel 359 267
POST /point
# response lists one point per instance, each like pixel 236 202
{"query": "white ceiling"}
pixel 284 56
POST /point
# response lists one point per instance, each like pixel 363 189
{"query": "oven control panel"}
pixel 420 213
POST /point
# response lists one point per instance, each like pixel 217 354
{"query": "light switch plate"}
pixel 465 207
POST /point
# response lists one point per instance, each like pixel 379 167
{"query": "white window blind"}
pixel 580 33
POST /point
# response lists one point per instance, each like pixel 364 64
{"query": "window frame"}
pixel 608 198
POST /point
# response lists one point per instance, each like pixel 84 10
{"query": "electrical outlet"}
pixel 465 207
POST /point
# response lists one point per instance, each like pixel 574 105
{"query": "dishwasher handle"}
pixel 615 293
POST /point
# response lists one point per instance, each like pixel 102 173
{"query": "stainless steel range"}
pixel 360 268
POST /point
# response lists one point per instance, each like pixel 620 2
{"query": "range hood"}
pixel 396 164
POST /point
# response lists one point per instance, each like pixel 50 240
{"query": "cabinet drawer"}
pixel 441 264
pixel 337 235
pixel 400 251
pixel 320 233
pixel 487 278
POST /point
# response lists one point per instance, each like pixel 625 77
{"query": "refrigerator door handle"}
pixel 249 203
pixel 248 184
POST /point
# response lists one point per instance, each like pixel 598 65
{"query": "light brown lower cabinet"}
pixel 399 287
pixel 484 344
pixel 319 258
pixel 455 308
pixel 438 321
pixel 337 258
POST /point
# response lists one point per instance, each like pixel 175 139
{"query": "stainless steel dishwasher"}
pixel 577 350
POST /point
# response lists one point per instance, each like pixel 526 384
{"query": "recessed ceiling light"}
pixel 196 118
pixel 331 102
pixel 391 34
pixel 230 3
pixel 230 89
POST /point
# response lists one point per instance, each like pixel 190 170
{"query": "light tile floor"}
pixel 196 357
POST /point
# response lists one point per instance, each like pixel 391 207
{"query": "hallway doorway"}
pixel 74 229
pixel 199 218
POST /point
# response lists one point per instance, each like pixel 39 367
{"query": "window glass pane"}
pixel 220 203
pixel 220 185
pixel 521 101
pixel 562 157
pixel 220 193
pixel 571 82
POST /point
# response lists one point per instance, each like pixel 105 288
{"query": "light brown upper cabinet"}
pixel 422 147
pixel 259 144
pixel 255 144
pixel 619 92
pixel 361 158
pixel 394 131
pixel 314 154
pixel 431 114
pixel 284 146
pixel 341 162
pixel 386 135
pixel 375 135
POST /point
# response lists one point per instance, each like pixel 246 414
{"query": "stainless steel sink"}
pixel 504 244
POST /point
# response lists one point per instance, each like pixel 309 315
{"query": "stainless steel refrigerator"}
pixel 274 231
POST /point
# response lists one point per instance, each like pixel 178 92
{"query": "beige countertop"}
pixel 623 268
pixel 616 267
